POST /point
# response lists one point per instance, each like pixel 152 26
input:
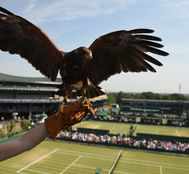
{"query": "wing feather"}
pixel 148 37
pixel 19 36
pixel 125 51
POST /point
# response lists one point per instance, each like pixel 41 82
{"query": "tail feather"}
pixel 93 91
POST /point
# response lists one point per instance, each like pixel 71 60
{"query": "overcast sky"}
pixel 73 23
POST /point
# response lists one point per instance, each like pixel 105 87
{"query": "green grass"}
pixel 123 128
pixel 68 158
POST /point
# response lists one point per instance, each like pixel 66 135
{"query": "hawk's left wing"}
pixel 124 51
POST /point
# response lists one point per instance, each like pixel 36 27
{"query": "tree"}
pixel 119 97
pixel 25 124
pixel 111 98
pixel 10 127
pixel 176 96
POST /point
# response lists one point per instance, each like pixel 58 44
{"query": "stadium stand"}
pixel 143 111
pixel 26 95
pixel 122 140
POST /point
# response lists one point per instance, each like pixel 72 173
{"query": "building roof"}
pixel 28 101
pixel 16 88
pixel 35 80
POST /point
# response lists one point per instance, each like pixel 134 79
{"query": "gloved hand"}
pixel 67 116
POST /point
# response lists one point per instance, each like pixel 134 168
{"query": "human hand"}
pixel 67 116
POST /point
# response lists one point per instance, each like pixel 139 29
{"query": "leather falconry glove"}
pixel 67 116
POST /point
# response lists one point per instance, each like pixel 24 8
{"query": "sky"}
pixel 73 23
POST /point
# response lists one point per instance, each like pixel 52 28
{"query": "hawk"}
pixel 83 68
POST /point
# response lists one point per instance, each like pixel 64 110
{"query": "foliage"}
pixel 2 133
pixel 111 98
pixel 10 126
pixel 118 96
pixel 25 124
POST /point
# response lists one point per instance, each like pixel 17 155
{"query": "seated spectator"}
pixel 123 140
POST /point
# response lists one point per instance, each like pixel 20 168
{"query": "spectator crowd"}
pixel 126 141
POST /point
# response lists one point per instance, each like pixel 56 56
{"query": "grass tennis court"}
pixel 123 128
pixel 68 158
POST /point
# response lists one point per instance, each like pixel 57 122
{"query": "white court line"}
pixel 39 159
pixel 114 162
pixel 120 172
pixel 71 164
pixel 88 167
pixel 139 163
pixel 37 171
pixel 155 163
pixel 161 169
pixel 176 168
pixel 86 153
pixel 94 156
pixel 93 168
pixel 127 160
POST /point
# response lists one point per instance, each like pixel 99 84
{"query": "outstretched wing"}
pixel 19 36
pixel 124 51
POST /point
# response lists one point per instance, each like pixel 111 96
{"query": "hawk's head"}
pixel 75 65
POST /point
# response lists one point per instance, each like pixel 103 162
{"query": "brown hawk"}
pixel 83 68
